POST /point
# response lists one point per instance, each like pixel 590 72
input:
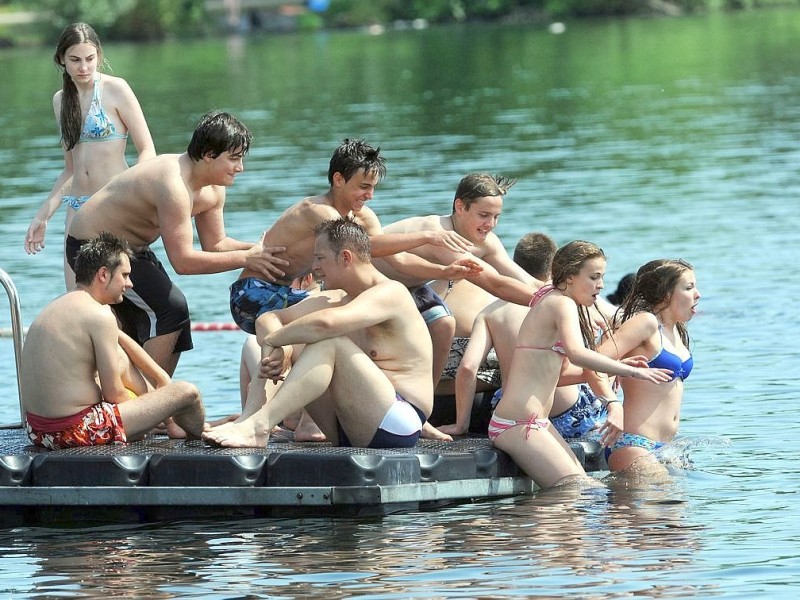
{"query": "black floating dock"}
pixel 159 478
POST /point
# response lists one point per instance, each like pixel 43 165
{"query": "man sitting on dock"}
pixel 83 381
pixel 364 374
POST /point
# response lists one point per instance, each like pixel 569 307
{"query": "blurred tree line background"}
pixel 36 21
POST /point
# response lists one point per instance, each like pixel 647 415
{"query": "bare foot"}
pixel 293 421
pixel 308 431
pixel 246 434
pixel 429 432
pixel 160 429
pixel 452 429
pixel 174 431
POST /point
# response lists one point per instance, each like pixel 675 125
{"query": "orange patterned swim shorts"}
pixel 95 426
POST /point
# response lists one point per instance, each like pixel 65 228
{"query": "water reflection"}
pixel 565 541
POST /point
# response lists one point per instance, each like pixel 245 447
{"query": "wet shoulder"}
pixel 411 224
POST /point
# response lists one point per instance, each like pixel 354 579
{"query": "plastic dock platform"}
pixel 159 478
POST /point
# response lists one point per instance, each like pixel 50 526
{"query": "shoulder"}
pixel 116 91
pixel 493 246
pixel 114 84
pixel 643 319
pixel 316 207
pixel 164 169
pixel 642 325
pixel 413 224
pixel 209 198
pixel 367 218
pixel 389 293
pixel 83 308
pixel 556 304
pixel 167 162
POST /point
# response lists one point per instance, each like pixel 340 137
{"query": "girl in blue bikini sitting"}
pixel 652 322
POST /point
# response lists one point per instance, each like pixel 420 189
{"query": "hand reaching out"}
pixel 34 238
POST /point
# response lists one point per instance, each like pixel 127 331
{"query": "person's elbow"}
pixel 184 265
pixel 467 371
pixel 117 396
pixel 184 269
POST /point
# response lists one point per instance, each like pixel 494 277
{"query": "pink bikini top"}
pixel 558 347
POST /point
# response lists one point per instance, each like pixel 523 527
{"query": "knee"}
pixel 443 328
pixel 187 391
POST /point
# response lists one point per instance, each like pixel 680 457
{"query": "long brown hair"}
pixel 652 288
pixel 71 116
pixel 567 262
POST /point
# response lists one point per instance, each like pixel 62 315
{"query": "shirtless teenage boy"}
pixel 365 372
pixel 78 371
pixel 354 171
pixel 477 205
pixel 160 198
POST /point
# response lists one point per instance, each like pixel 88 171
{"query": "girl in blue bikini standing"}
pixel 96 113
pixel 653 323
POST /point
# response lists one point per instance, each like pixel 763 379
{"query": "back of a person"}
pixel 465 300
pixel 503 319
pixel 125 206
pixel 294 230
pixel 57 368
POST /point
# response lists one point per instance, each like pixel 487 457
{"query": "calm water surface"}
pixel 652 138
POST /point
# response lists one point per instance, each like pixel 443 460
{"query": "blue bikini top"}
pixel 667 360
pixel 98 127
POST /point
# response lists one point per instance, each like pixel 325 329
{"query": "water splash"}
pixel 677 452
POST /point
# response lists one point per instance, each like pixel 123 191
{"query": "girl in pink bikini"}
pixel 96 113
pixel 552 334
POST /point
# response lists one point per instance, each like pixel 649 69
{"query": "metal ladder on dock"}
pixel 16 329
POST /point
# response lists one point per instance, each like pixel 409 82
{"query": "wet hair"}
pixel 105 250
pixel 345 234
pixel 479 185
pixel 534 252
pixel 568 262
pixel 352 155
pixel 652 289
pixel 219 132
pixel 71 117
pixel 623 289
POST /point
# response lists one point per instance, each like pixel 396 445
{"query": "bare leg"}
pixel 637 461
pixel 542 454
pixel 442 332
pixel 248 366
pixel 131 377
pixel 336 372
pixel 429 432
pixel 307 430
pixel 69 275
pixel 179 399
pixel 293 421
pixel 162 349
